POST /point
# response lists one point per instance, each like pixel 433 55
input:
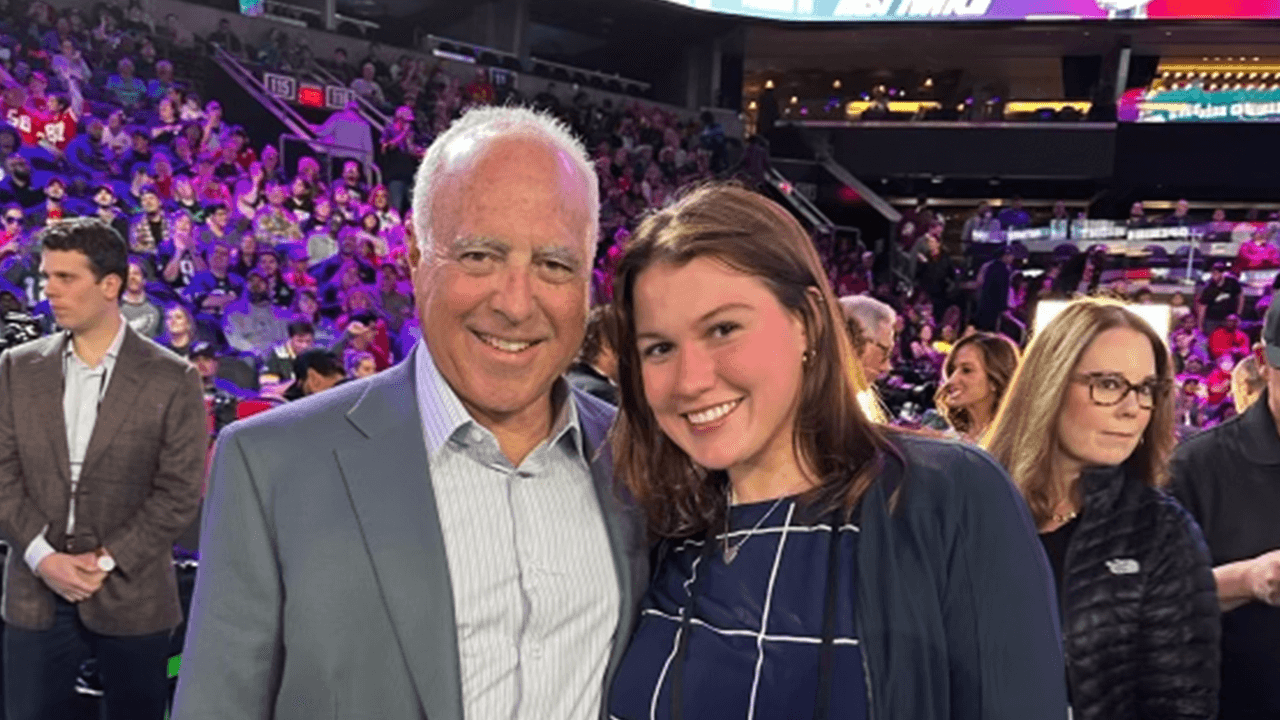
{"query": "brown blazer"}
pixel 139 486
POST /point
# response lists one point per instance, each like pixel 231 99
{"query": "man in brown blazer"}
pixel 102 443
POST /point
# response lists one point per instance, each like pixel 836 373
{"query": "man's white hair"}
pixel 868 312
pixel 480 126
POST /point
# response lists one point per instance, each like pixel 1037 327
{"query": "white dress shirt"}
pixel 83 388
pixel 534 587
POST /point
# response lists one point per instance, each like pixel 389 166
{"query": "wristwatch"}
pixel 106 563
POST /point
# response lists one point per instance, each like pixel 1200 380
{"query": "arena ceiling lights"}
pixel 942 10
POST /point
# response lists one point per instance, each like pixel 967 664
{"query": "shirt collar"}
pixel 443 413
pixel 68 349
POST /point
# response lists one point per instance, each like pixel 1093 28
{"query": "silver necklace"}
pixel 731 552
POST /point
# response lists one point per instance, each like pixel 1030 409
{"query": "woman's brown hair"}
pixel 833 437
pixel 1000 358
pixel 1025 432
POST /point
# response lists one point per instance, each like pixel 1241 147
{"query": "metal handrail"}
pixel 286 114
pixel 377 119
pixel 373 173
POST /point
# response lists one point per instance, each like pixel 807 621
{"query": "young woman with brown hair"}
pixel 812 563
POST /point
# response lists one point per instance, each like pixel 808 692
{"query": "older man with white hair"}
pixel 872 327
pixel 442 539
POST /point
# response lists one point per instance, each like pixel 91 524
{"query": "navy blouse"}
pixel 755 637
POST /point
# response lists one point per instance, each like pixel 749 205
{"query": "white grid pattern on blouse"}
pixel 762 635
pixel 535 592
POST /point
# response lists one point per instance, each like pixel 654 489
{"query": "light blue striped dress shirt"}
pixel 534 587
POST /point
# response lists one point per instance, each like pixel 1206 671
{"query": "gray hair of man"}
pixel 480 126
pixel 868 313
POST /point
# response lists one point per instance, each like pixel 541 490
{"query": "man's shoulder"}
pixel 1217 441
pixel 301 422
pixel 34 349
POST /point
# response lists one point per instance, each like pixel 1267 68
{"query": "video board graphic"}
pixel 945 10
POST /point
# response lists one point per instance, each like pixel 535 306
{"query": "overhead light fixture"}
pixel 837 85
pixel 751 105
pixel 794 99
pixel 768 84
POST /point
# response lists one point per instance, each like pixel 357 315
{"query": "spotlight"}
pixel 836 85
pixel 768 84
pixel 794 99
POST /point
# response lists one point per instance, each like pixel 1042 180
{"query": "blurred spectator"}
pixel 360 365
pixel 1229 339
pixel 138 309
pixel 983 219
pixel 151 228
pixel 252 323
pixel 180 255
pixel 480 91
pixel 400 154
pixel 1014 216
pixel 220 395
pixel 179 329
pixel 115 136
pixel 87 154
pixel 124 87
pixel 366 87
pixel 214 289
pixel 1258 253
pixel 1189 408
pixel 1138 216
pixel 226 39
pixel 347 133
pixel 595 371
pixel 1179 218
pixel 1219 381
pixel 315 371
pixel 872 330
pixel 108 209
pixel 1187 340
pixel 993 290
pixel 70 66
pixel 278 367
pixel 1220 297
pixel 1248 380
pixel 17 185
pixel 976 375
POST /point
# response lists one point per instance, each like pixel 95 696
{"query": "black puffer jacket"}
pixel 1139 606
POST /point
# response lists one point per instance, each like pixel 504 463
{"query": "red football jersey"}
pixel 60 129
pixel 27 122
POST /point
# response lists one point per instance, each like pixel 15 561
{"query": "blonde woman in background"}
pixel 1247 383
pixel 1086 431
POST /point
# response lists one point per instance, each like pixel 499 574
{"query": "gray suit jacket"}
pixel 324 589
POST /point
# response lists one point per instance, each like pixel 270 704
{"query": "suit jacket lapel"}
pixel 122 393
pixel 49 415
pixel 623 525
pixel 387 480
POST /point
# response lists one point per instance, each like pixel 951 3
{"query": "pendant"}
pixel 730 553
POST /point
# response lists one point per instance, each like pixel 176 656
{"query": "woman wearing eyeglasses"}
pixel 1085 432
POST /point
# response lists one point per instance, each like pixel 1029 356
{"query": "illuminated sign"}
pixel 311 96
pixel 287 88
pixel 281 86
pixel 337 97
pixel 1195 104
pixel 935 10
